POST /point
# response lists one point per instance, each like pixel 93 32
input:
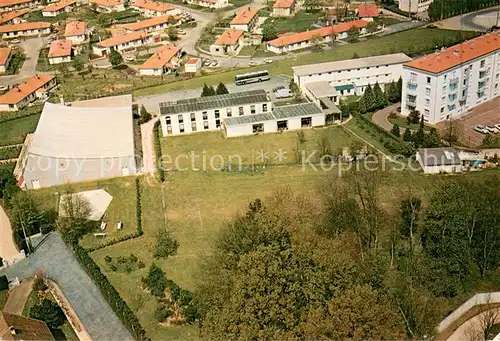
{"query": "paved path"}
pixel 83 295
pixel 148 152
pixel 8 249
pixel 380 117
pixel 476 21
pixel 32 49
pixel 18 297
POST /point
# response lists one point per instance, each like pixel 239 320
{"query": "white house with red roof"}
pixel 11 5
pixel 60 51
pixel 25 29
pixel 27 92
pixel 57 8
pixel 150 8
pixel 245 19
pixel 192 65
pixel 209 3
pixel 163 61
pixel 76 31
pixel 13 17
pixel 368 11
pixel 122 42
pixel 107 6
pixel 229 42
pixel 448 83
pixel 284 8
pixel 5 56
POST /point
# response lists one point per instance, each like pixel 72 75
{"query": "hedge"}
pixel 119 306
pixel 157 144
pixel 138 207
pixel 114 241
pixel 6 116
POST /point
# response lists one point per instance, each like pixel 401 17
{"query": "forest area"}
pixel 351 263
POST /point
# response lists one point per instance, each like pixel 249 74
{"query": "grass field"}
pixel 247 148
pixel 412 42
pixel 13 132
pixel 301 22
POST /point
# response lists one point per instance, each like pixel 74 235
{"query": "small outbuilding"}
pixel 192 65
pixel 439 160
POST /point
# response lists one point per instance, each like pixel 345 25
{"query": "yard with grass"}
pixel 302 21
pixel 403 123
pixel 14 131
pixel 412 42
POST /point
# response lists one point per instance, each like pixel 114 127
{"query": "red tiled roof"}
pixel 24 26
pixel 193 61
pixel 75 28
pixel 4 54
pixel 153 5
pixel 122 38
pixel 368 11
pixel 27 329
pixel 283 3
pixel 229 37
pixel 140 25
pixel 320 32
pixel 60 48
pixel 55 7
pixel 6 3
pixel 161 57
pixel 23 90
pixel 8 16
pixel 244 16
pixel 458 54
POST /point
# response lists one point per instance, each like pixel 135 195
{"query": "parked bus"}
pixel 252 77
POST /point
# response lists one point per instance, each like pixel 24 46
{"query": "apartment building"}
pixel 245 19
pixel 151 9
pixel 284 8
pixel 25 29
pixel 162 62
pixel 206 113
pixel 414 6
pixel 60 7
pixel 121 42
pixel 27 92
pixel 11 5
pixel 76 31
pixel 448 83
pixel 333 80
pixel 13 17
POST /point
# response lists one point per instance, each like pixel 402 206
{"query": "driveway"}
pixel 8 249
pixel 32 49
pixel 82 294
pixel 380 117
pixel 18 297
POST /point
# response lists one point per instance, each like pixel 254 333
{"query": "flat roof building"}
pixel 439 160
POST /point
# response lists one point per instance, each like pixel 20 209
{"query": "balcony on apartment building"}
pixel 411 100
pixel 454 81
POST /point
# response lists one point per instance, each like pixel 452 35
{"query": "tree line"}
pixel 348 262
pixel 442 9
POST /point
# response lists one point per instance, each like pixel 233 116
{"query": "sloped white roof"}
pixel 75 132
pixel 98 199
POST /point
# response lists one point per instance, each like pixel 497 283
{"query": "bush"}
pixel 49 312
pixel 39 284
pixel 108 259
pixel 4 283
pixel 166 245
pixel 141 264
pixel 133 258
pixel 162 313
pixel 157 144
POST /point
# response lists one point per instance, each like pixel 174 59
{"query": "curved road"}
pixel 467 20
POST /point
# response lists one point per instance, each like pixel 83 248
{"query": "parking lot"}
pixel 487 113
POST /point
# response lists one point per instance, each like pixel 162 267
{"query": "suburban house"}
pixel 25 93
pixel 60 51
pixel 413 6
pixel 284 8
pixel 107 6
pixel 206 113
pixel 76 31
pixel 282 118
pixel 11 5
pixel 192 65
pixel 73 143
pixel 333 80
pixel 209 3
pixel 439 160
pixel 162 61
pixel 301 40
pixel 62 6
pixel 25 29
pixel 17 327
pixel 245 19
pixel 228 42
pixel 149 25
pixel 13 17
pixel 368 11
pixel 448 83
pixel 5 55
pixel 121 42
pixel 150 8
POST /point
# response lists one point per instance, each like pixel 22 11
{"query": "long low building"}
pixel 75 143
pixel 150 25
pixel 121 42
pixel 333 80
pixel 11 5
pixel 289 117
pixel 25 29
pixel 18 97
pixel 209 3
pixel 206 113
pixel 13 17
pixel 448 83
pixel 107 6
pixel 150 8
pixel 57 8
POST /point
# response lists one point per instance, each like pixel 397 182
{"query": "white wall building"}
pixel 439 160
pixel 283 118
pixel 333 80
pixel 23 94
pixel 206 113
pixel 11 5
pixel 229 42
pixel 192 65
pixel 25 29
pixel 121 42
pixel 107 6
pixel 60 51
pixel 76 31
pixel 60 7
pixel 448 83
pixel 414 6
pixel 162 61
pixel 5 56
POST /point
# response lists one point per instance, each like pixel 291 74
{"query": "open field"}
pixel 301 22
pixel 248 148
pixel 14 131
pixel 411 42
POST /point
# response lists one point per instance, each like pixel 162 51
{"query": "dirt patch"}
pixel 115 87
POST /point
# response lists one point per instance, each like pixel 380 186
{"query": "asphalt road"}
pixel 32 49
pixel 82 294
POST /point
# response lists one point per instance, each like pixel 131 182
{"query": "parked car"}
pixel 492 129
pixel 268 60
pixel 129 58
pixel 214 63
pixel 283 93
pixel 181 32
pixel 481 129
pixel 4 88
pixel 207 62
pixel 15 41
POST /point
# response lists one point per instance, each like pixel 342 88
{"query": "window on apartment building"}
pixel 497 76
pixel 444 88
pixel 181 128
pixel 413 76
pixel 445 76
pixel 167 120
pixel 483 63
pixel 217 113
pixel 464 93
pixel 229 112
pixel 180 118
pixel 217 123
pixel 426 112
pixel 205 125
pixel 205 115
pixel 442 109
pixel 252 109
pixel 378 66
pixel 359 69
pixel 428 80
pixel 428 91
pixel 193 126
pixel 427 102
pixel 443 98
pixel 465 81
pixel 241 111
pixel 264 107
pixel 193 117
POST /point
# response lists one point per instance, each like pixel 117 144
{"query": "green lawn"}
pixel 302 21
pixel 9 153
pixel 214 145
pixel 13 132
pixel 368 133
pixel 402 122
pixel 387 20
pixel 30 302
pixel 3 298
pixel 411 42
